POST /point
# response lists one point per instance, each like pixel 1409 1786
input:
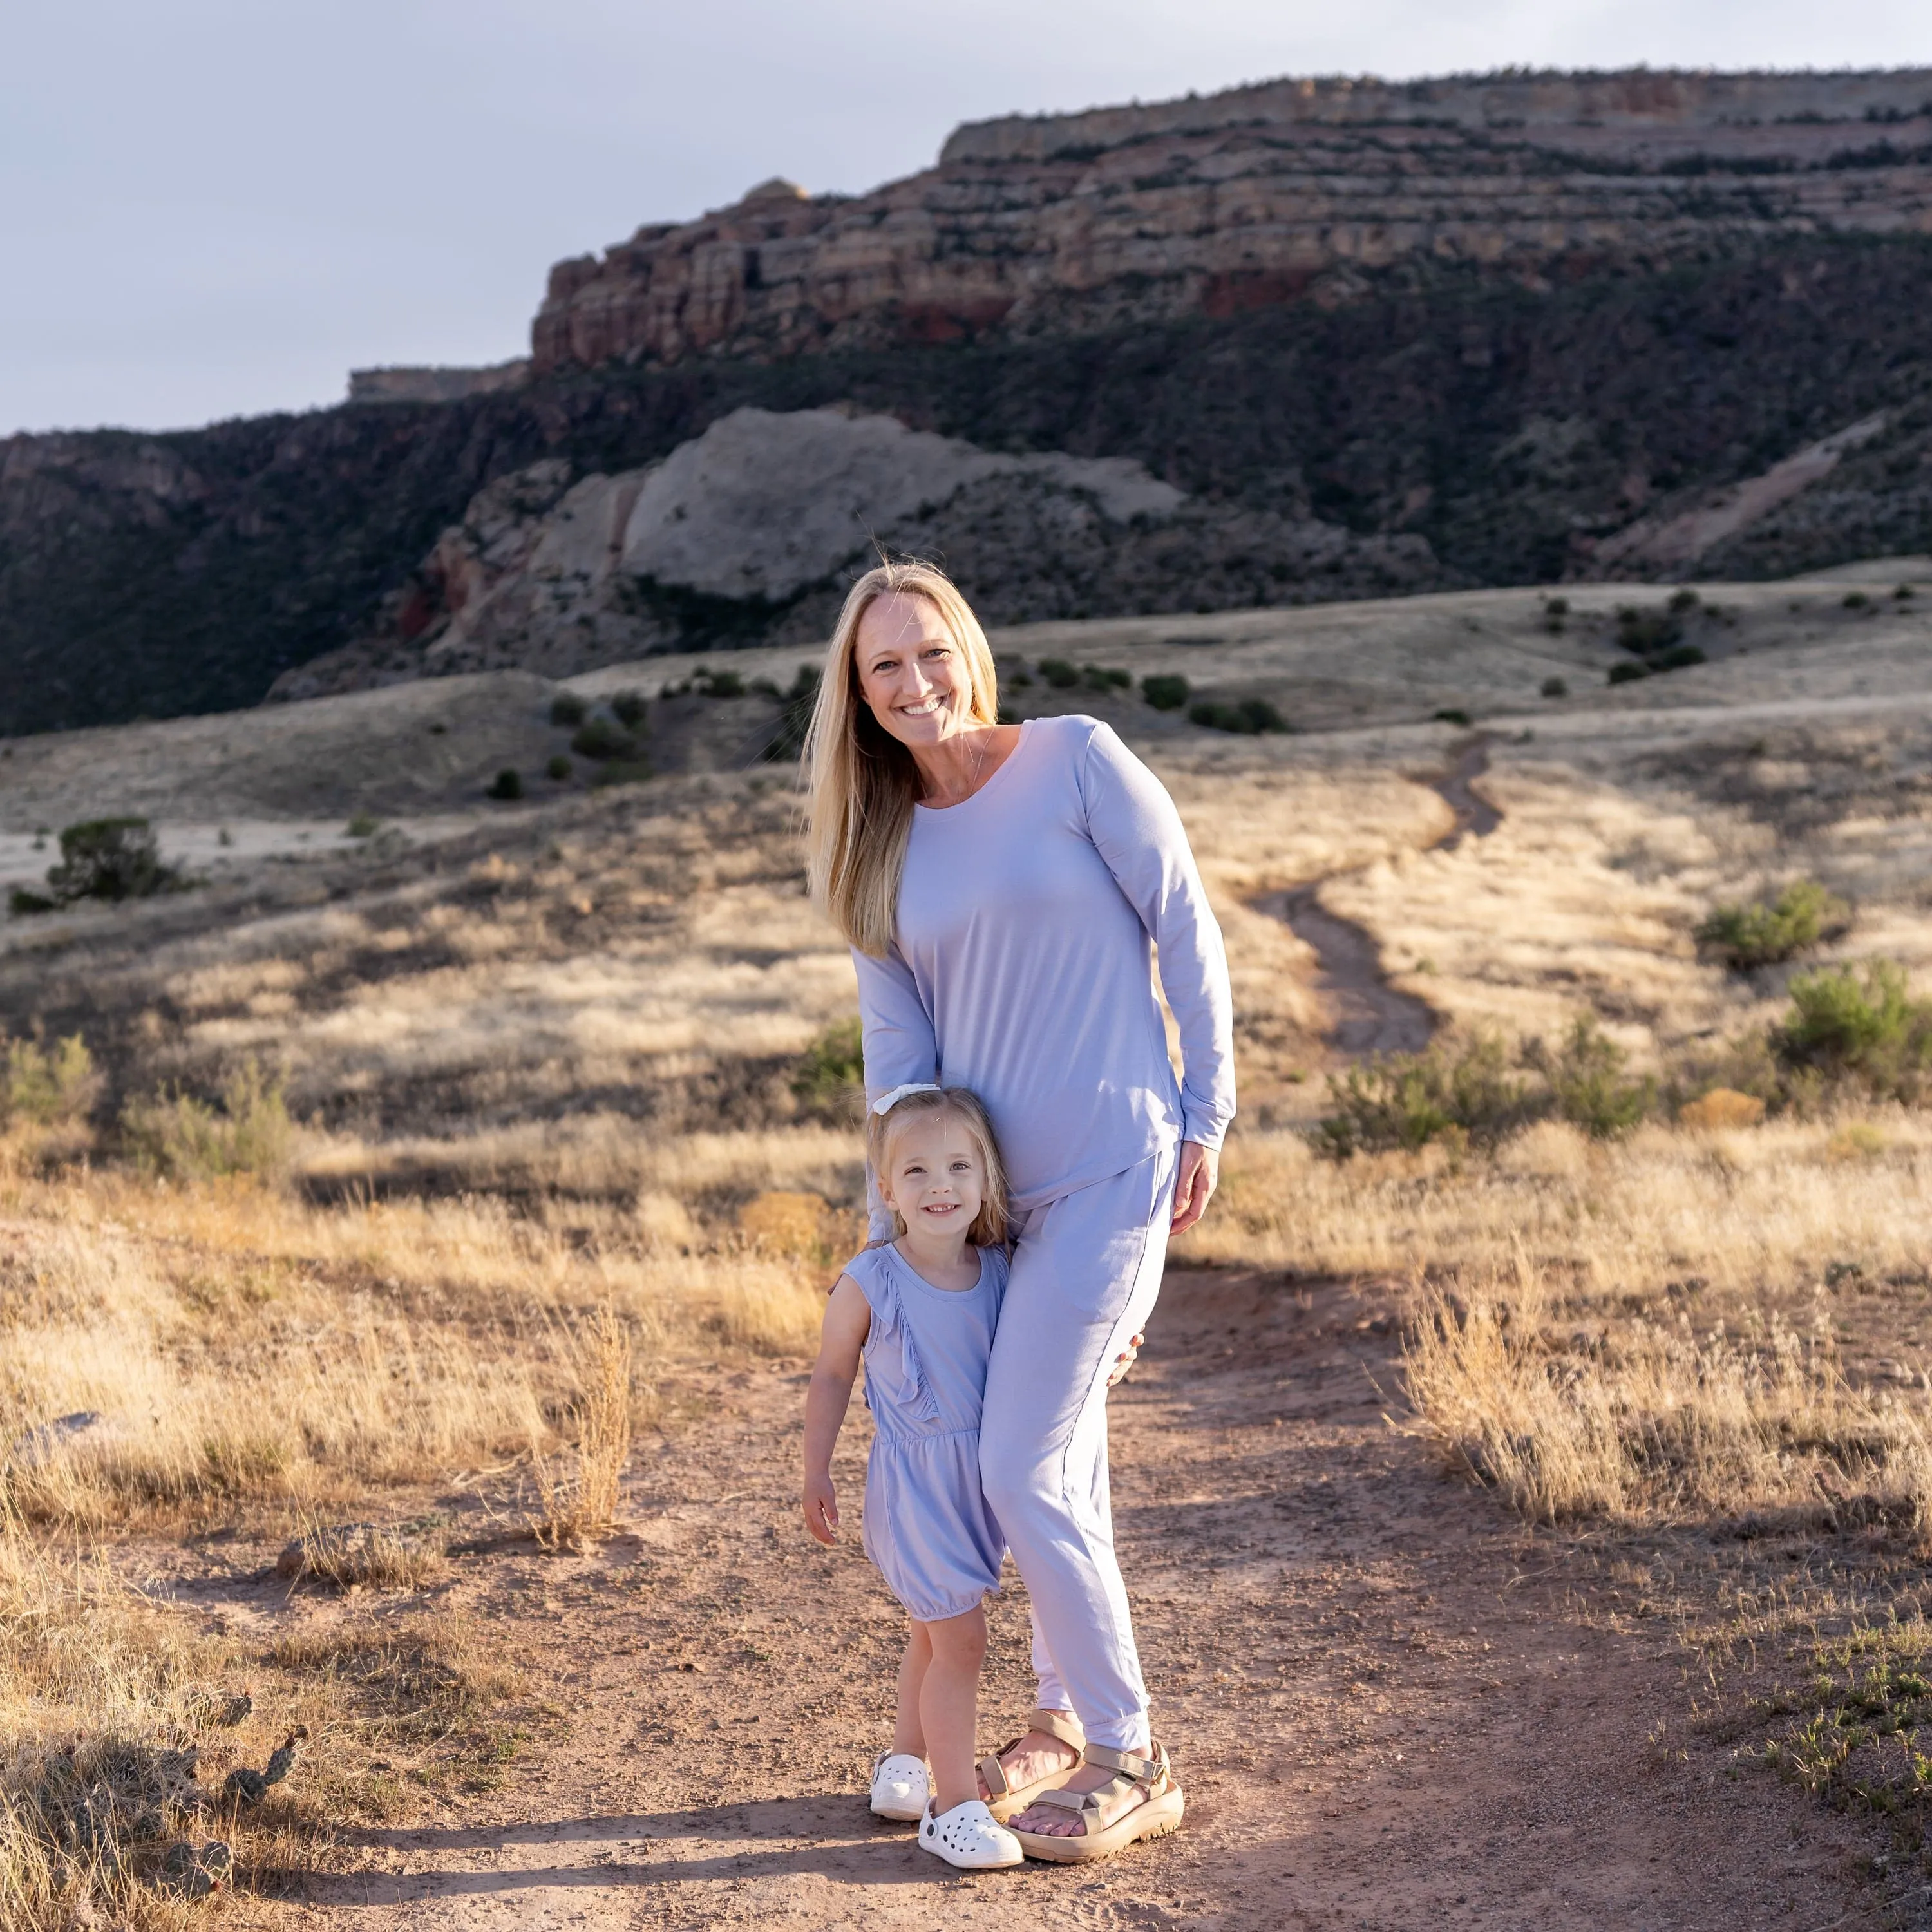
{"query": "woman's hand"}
pixel 821 1508
pixel 1117 1373
pixel 1200 1170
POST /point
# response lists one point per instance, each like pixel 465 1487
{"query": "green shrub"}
pixel 1587 1083
pixel 250 1133
pixel 1461 1091
pixel 1856 600
pixel 363 825
pixel 559 768
pixel 621 771
pixel 23 902
pixel 603 738
pixel 830 1076
pixel 1102 677
pixel 508 784
pixel 1452 714
pixel 1164 690
pixel 109 859
pixel 788 741
pixel 1251 715
pixel 1770 932
pixel 1679 658
pixel 1858 1026
pixel 628 708
pixel 1647 632
pixel 1627 674
pixel 1685 599
pixel 1903 594
pixel 718 684
pixel 568 710
pixel 49 1088
pixel 1555 687
pixel 1059 673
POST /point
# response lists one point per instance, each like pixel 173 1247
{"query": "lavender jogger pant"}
pixel 1086 1271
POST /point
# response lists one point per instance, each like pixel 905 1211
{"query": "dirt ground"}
pixel 1390 1706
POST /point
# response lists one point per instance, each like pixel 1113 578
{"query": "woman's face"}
pixel 911 674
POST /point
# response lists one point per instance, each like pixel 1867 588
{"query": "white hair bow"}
pixel 886 1103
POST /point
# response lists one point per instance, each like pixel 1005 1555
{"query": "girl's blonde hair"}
pixel 882 1130
pixel 862 780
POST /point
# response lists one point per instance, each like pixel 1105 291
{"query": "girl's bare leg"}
pixel 908 1734
pixel 949 1705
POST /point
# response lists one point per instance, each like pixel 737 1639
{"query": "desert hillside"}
pixel 417 1191
pixel 1287 345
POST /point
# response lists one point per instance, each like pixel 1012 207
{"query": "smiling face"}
pixel 912 675
pixel 935 1176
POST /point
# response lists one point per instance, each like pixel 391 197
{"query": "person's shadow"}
pixel 782 1837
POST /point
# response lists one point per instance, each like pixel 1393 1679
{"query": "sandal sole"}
pixel 1154 1819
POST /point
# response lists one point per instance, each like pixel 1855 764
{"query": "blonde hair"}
pixel 989 1226
pixel 863 783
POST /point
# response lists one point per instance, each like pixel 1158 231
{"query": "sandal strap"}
pixel 1130 1765
pixel 1061 1724
pixel 994 1773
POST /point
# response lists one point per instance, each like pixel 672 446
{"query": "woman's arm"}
pixel 1135 829
pixel 901 1049
pixel 847 1321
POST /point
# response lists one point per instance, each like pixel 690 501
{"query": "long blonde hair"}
pixel 861 782
pixel 989 1226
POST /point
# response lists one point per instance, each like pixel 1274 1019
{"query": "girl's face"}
pixel 912 676
pixel 935 1177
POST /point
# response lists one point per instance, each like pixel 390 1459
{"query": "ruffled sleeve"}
pixel 891 1356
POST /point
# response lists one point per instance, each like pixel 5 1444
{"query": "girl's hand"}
pixel 1122 1363
pixel 821 1508
pixel 1200 1168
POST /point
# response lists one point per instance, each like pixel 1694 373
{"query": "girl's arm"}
pixel 899 1046
pixel 847 1321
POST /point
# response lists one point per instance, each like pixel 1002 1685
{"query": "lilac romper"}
pixel 927 1526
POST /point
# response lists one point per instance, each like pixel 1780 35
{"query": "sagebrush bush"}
pixel 174 1134
pixel 1058 673
pixel 1769 931
pixel 1588 1086
pixel 1251 715
pixel 628 708
pixel 568 710
pixel 507 785
pixel 830 1078
pixel 1165 691
pixel 111 859
pixel 603 739
pixel 50 1087
pixel 1462 1091
pixel 1859 1027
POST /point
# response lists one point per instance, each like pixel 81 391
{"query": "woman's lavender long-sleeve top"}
pixel 1022 965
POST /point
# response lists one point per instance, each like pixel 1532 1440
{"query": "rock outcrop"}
pixel 1295 190
pixel 750 532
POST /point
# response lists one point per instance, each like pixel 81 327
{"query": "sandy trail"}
pixel 1366 1014
pixel 1384 1714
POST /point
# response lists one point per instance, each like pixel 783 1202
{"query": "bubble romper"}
pixel 927 1527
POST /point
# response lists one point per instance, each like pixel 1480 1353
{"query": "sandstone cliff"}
pixel 1261 195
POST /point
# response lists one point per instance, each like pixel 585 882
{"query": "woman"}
pixel 1004 887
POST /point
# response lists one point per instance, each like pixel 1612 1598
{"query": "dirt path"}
pixel 1367 1015
pixel 1384 1713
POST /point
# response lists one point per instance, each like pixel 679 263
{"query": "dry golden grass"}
pixel 1775 1205
pixel 584 1502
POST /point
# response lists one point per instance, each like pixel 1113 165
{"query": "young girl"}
pixel 923 1311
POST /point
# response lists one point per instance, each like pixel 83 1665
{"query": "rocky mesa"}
pixel 1259 196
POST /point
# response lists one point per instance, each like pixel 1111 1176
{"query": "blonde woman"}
pixel 1004 888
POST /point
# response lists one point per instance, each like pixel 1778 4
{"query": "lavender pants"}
pixel 1086 1272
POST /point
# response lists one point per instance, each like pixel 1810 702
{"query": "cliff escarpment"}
pixel 1257 197
pixel 1704 353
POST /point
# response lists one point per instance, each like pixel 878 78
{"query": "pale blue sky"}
pixel 212 208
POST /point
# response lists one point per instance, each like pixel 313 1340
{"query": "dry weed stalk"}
pixel 586 1502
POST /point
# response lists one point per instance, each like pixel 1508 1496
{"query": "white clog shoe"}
pixel 968 1836
pixel 901 1787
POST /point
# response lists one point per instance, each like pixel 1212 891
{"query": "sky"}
pixel 217 207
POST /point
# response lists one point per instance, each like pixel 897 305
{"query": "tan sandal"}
pixel 1002 1797
pixel 1140 1801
